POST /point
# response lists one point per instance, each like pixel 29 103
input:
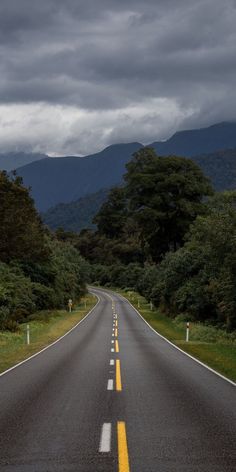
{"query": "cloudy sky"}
pixel 78 75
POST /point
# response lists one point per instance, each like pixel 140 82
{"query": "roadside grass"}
pixel 213 346
pixel 45 328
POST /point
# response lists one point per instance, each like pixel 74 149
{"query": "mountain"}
pixel 220 167
pixel 76 215
pixel 198 141
pixel 13 160
pixel 63 179
pixel 56 180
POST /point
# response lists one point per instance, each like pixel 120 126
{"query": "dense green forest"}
pixel 36 270
pixel 163 233
pixel 167 235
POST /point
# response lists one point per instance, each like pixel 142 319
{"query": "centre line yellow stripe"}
pixel 118 377
pixel 116 323
pixel 123 456
pixel 116 333
pixel 117 347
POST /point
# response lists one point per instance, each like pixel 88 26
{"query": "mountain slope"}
pixel 13 160
pixel 55 180
pixel 76 215
pixel 198 141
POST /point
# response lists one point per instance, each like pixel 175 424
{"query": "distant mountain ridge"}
pixel 12 160
pixel 199 141
pixel 63 179
pixel 56 180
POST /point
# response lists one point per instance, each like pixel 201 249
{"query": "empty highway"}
pixel 113 396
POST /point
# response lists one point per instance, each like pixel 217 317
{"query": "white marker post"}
pixel 187 332
pixel 138 303
pixel 70 304
pixel 151 307
pixel 28 334
pixel 85 304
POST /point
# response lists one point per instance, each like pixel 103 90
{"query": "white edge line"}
pixel 178 348
pixel 52 344
pixel 105 441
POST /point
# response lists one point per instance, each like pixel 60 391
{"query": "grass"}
pixel 213 346
pixel 45 327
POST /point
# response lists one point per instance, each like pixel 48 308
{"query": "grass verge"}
pixel 45 327
pixel 214 347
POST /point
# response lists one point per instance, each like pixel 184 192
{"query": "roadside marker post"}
pixel 70 304
pixel 151 307
pixel 28 334
pixel 187 332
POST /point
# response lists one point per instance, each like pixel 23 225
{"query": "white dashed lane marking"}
pixel 110 384
pixel 105 441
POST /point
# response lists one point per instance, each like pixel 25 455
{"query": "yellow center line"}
pixel 123 456
pixel 116 323
pixel 118 377
pixel 116 332
pixel 117 346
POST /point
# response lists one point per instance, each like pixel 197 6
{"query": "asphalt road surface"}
pixel 114 396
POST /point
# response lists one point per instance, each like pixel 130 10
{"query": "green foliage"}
pixel 165 196
pixel 16 297
pixel 199 279
pixel 22 234
pixel 37 272
pixel 112 215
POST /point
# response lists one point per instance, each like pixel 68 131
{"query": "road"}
pixel 114 396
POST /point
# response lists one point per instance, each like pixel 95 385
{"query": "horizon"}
pixel 57 155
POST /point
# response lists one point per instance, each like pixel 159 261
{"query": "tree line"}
pixel 163 233
pixel 37 271
pixel 166 234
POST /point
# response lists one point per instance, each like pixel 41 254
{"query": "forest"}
pixel 164 233
pixel 37 271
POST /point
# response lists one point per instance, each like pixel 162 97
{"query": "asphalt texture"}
pixel 179 416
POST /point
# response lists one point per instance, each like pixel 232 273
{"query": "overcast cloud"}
pixel 76 76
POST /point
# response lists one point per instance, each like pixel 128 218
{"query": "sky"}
pixel 79 75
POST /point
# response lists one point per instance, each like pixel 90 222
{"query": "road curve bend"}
pixel 114 396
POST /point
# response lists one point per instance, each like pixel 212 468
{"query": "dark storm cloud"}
pixel 110 56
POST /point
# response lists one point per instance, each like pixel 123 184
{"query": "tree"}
pixel 165 196
pixel 22 234
pixel 113 213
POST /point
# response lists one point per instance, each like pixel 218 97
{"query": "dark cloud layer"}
pixel 78 75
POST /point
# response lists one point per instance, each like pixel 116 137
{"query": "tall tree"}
pixel 113 213
pixel 165 195
pixel 22 235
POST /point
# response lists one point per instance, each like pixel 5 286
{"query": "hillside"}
pixel 76 215
pixel 64 179
pixel 13 160
pixel 199 141
pixel 56 180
